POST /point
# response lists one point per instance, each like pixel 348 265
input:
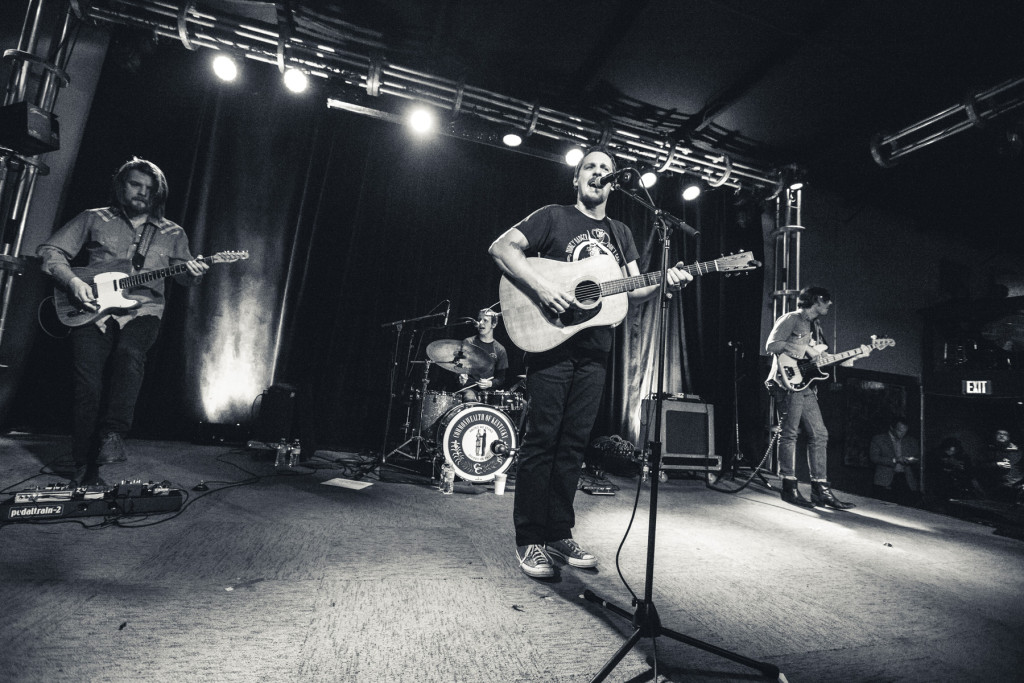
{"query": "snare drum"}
pixel 509 401
pixel 468 434
pixel 435 404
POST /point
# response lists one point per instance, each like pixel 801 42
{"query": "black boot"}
pixel 791 494
pixel 822 495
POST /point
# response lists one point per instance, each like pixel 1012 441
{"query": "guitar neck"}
pixel 158 274
pixel 830 358
pixel 628 284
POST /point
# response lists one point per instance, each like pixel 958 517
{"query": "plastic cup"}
pixel 499 484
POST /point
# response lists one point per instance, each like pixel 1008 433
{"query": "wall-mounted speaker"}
pixel 687 434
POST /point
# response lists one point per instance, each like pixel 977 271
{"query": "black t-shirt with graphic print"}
pixel 564 233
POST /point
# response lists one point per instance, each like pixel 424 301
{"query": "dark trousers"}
pixel 108 370
pixel 565 391
pixel 898 491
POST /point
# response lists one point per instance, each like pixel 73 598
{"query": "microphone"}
pixel 501 448
pixel 623 174
pixel 734 343
pixel 447 310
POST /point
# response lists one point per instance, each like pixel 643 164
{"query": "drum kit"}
pixel 479 438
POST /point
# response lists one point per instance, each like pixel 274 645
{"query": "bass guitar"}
pixel 797 375
pixel 109 286
pixel 599 296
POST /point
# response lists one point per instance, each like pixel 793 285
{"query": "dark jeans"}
pixel 801 408
pixel 565 390
pixel 108 371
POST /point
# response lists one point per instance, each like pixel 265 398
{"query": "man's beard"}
pixel 131 207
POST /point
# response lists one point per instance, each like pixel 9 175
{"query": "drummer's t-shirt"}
pixel 496 352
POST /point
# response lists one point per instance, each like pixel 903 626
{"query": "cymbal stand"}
pixel 645 620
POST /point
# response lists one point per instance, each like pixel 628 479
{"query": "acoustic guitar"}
pixel 599 292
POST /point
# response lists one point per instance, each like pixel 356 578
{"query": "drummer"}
pixel 493 377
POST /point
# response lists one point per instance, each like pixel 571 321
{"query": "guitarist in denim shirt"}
pixel 109 354
pixel 798 335
pixel 564 384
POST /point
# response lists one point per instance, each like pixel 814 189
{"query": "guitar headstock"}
pixel 228 256
pixel 881 343
pixel 735 263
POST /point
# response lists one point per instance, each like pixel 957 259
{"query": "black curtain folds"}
pixel 350 225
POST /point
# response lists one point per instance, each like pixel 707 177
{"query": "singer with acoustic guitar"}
pixel 109 353
pixel 564 381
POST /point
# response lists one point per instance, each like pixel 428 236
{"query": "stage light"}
pixel 691 190
pixel 512 139
pixel 573 156
pixel 648 177
pixel 422 120
pixel 797 178
pixel 295 80
pixel 225 67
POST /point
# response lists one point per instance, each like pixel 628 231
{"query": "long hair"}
pixel 159 198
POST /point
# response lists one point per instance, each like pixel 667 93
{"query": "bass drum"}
pixel 468 434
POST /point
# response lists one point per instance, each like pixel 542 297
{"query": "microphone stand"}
pixel 645 619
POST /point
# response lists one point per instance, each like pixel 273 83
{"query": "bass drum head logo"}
pixel 468 434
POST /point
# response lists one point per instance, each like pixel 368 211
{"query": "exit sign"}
pixel 976 386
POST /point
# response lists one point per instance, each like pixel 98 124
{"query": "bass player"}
pixel 798 335
pixel 109 354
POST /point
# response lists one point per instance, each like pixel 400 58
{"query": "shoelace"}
pixel 574 548
pixel 535 554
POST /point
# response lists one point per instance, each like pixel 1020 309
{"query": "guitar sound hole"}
pixel 587 293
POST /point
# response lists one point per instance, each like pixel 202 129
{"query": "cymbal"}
pixel 458 356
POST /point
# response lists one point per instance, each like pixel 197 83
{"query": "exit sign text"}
pixel 977 386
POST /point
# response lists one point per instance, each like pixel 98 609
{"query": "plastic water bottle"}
pixel 282 454
pixel 447 479
pixel 294 453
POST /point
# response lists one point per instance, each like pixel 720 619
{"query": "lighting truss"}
pixel 976 109
pixel 361 79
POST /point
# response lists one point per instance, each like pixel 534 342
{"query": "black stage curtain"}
pixel 352 225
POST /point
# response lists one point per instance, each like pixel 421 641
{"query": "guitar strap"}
pixel 142 243
pixel 819 335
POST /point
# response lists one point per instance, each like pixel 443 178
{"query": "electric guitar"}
pixel 109 285
pixel 797 375
pixel 599 296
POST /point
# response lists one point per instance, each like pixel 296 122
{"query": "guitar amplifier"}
pixel 687 434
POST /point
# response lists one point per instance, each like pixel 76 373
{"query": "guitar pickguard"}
pixel 574 316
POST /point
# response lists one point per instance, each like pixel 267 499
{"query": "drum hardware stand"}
pixel 398 325
pixel 645 620
pixel 417 438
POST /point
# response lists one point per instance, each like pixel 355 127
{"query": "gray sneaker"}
pixel 112 449
pixel 534 561
pixel 570 551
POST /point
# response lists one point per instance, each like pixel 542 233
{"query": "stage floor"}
pixel 271 576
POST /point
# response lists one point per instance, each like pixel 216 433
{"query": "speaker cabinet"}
pixel 276 418
pixel 687 434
